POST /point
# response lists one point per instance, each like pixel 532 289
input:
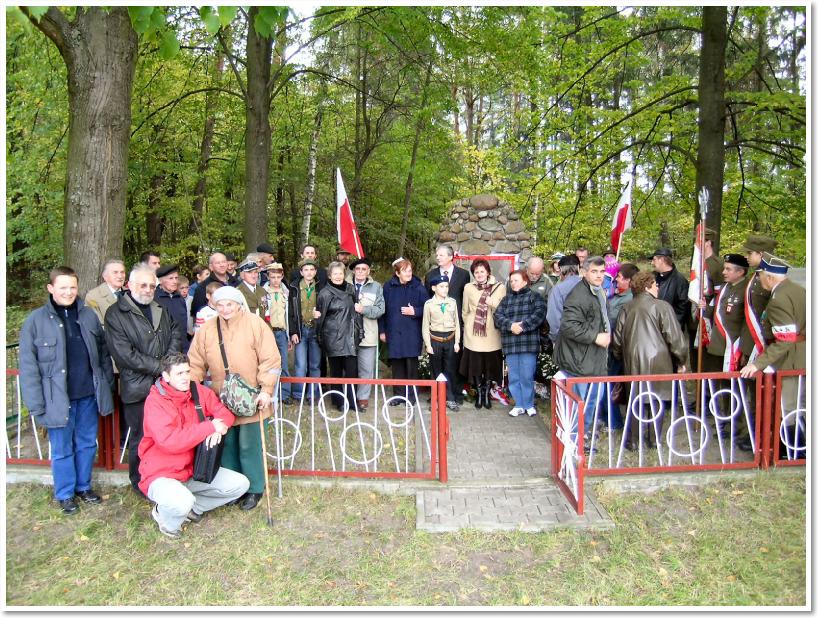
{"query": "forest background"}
pixel 191 129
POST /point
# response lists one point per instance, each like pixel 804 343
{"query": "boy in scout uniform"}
pixel 441 335
pixel 784 330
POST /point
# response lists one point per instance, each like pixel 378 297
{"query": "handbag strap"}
pixel 222 347
pixel 196 397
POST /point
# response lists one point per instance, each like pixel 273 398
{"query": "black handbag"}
pixel 206 459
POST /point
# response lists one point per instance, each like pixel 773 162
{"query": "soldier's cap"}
pixel 737 260
pixel 569 260
pixel 759 243
pixel 276 267
pixel 557 256
pixel 773 266
pixel 662 252
pixel 440 278
pixel 362 261
pixel 342 251
pixel 266 248
pixel 609 251
pixel 307 262
pixel 710 235
pixel 248 266
pixel 166 270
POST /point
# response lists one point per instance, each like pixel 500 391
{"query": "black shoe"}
pixel 478 402
pixel 193 517
pixel 69 506
pixel 251 500
pixel 287 401
pixel 630 446
pixel 486 396
pixel 236 501
pixel 744 444
pixel 89 496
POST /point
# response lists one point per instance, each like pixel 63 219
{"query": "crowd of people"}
pixel 166 336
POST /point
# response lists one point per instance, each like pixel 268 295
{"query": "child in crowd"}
pixel 208 311
pixel 441 336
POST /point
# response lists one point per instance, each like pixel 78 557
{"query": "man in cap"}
pixel 756 297
pixel 255 296
pixel 370 303
pixel 784 329
pixel 715 265
pixel 139 332
pixel 284 317
pixel 673 286
pixel 309 252
pixel 265 257
pixel 727 311
pixel 168 296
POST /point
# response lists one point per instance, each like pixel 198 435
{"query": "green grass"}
pixel 734 542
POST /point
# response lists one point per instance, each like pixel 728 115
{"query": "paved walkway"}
pixel 498 479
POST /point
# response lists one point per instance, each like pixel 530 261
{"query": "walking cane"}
pixel 265 473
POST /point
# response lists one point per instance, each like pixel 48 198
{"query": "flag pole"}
pixel 704 202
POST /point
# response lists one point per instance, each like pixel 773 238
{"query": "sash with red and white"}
pixel 730 360
pixel 753 323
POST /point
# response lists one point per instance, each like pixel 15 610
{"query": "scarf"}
pixel 481 317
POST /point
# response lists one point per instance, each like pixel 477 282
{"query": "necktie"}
pixel 359 285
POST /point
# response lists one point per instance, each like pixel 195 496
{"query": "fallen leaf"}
pixel 596 558
pixel 662 572
pixel 372 496
pixel 593 543
pixel 483 568
pixel 83 537
pixel 692 532
pixel 186 544
pixel 116 575
pixel 730 577
pixel 525 600
pixel 763 549
pixel 737 492
pixel 106 497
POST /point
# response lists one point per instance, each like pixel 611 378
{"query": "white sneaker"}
pixel 166 532
pixel 532 412
pixel 516 412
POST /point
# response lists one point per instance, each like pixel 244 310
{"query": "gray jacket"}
pixel 372 300
pixel 43 370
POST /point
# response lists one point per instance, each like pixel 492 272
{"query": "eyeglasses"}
pixel 146 286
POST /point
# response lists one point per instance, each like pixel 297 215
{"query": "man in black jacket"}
pixel 139 332
pixel 218 265
pixel 673 286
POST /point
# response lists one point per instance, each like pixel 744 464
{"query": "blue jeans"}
pixel 591 404
pixel 281 337
pixel 73 448
pixel 521 370
pixel 306 359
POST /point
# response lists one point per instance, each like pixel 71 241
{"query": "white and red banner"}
pixel 699 276
pixel 622 219
pixel 347 235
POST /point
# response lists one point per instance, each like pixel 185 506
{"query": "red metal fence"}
pixel 674 423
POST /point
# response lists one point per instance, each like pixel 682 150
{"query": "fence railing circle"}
pixel 324 411
pixel 378 442
pixel 386 413
pixel 298 437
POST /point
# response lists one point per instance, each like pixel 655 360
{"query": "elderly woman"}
pixel 251 352
pixel 401 325
pixel 482 342
pixel 648 339
pixel 518 317
pixel 339 329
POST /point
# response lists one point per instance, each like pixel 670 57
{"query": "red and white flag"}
pixel 699 278
pixel 347 235
pixel 622 219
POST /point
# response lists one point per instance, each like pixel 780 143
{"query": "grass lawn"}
pixel 739 541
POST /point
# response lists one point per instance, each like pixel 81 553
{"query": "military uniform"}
pixel 257 300
pixel 756 299
pixel 728 316
pixel 714 265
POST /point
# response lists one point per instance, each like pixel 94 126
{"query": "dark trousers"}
pixel 344 367
pixel 407 368
pixel 134 420
pixel 444 361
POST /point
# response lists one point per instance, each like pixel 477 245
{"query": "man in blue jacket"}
pixel 67 381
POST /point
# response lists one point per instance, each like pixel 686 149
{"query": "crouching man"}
pixel 171 432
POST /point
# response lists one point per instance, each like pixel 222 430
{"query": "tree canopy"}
pixel 238 117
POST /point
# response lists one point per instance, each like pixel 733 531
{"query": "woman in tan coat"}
pixel 482 343
pixel 252 353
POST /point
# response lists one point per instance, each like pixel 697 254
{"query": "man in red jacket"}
pixel 172 431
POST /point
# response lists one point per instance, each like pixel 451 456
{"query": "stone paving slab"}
pixel 505 508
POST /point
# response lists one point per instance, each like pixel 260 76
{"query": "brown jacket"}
pixel 250 349
pixel 649 340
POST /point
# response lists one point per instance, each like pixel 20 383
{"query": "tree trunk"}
pixel 711 150
pixel 312 174
pixel 258 135
pixel 198 205
pixel 99 48
pixel 409 182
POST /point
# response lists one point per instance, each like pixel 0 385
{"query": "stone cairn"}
pixel 482 225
